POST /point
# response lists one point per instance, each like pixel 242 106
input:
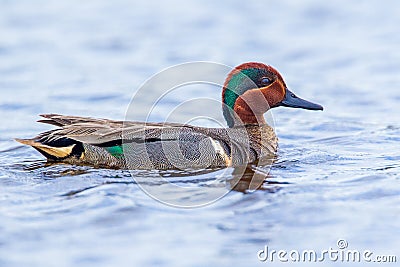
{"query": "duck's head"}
pixel 251 89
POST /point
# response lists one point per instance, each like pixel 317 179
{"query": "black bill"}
pixel 293 101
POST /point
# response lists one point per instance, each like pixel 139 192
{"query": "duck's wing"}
pixel 101 131
pixel 75 134
pixel 63 120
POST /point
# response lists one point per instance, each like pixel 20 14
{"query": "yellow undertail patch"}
pixel 59 152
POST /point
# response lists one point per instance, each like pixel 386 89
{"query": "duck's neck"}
pixel 248 115
pixel 242 116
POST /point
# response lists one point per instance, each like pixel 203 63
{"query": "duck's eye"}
pixel 265 80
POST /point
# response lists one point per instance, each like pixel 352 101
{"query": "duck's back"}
pixel 138 145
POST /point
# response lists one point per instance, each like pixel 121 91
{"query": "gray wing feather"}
pixel 97 131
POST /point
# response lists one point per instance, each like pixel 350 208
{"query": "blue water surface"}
pixel 337 171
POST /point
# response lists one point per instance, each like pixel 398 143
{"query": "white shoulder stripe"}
pixel 220 150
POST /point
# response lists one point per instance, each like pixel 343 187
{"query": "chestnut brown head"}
pixel 251 89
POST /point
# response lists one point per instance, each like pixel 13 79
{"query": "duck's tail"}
pixel 55 150
pixel 53 144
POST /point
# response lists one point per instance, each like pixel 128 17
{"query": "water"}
pixel 337 172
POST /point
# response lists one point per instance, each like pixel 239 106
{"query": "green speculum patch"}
pixel 116 151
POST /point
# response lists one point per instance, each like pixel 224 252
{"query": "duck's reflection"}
pixel 247 178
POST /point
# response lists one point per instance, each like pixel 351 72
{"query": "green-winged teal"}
pixel 249 91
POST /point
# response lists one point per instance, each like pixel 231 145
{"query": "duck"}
pixel 250 90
